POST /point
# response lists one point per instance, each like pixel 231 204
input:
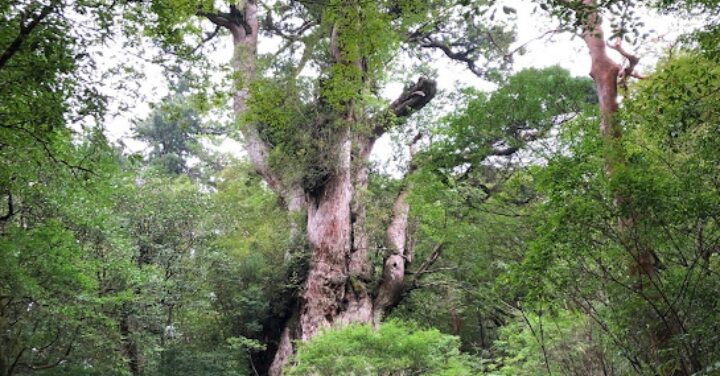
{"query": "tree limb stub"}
pixel 414 98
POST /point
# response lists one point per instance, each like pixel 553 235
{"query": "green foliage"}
pixel 477 204
pixel 105 264
pixel 182 361
pixel 355 49
pixel 61 249
pixel 85 246
pixel 249 280
pixel 303 137
pixel 362 33
pixel 395 348
pixel 525 107
pixel 564 343
pixel 172 130
pixel 580 258
pixel 708 35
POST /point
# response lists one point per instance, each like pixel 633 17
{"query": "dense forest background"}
pixel 556 225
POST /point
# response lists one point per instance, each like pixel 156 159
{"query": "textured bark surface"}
pixel 336 290
pixel 283 353
pixel 394 268
pixel 329 236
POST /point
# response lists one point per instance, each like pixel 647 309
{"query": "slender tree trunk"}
pixel 128 325
pixel 607 75
pixel 605 72
pixel 131 350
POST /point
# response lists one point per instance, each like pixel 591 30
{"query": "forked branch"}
pixel 629 68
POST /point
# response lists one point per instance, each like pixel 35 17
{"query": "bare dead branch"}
pixel 509 55
pixel 429 261
pixel 629 68
pixel 414 98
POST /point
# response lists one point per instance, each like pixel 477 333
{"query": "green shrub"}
pixel 395 348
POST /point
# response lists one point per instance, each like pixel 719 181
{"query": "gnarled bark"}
pixel 336 288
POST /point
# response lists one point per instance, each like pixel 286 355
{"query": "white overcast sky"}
pixel 558 49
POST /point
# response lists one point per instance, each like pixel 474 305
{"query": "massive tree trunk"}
pixel 336 287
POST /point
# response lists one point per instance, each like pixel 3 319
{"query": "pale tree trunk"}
pixel 336 290
pixel 394 268
pixel 329 234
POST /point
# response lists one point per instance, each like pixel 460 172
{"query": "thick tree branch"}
pixel 25 30
pixel 388 293
pixel 243 25
pixel 411 100
pixel 629 68
pixel 393 280
pixel 439 34
pixel 230 20
pixel 257 152
pixel 414 98
pixel 218 18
